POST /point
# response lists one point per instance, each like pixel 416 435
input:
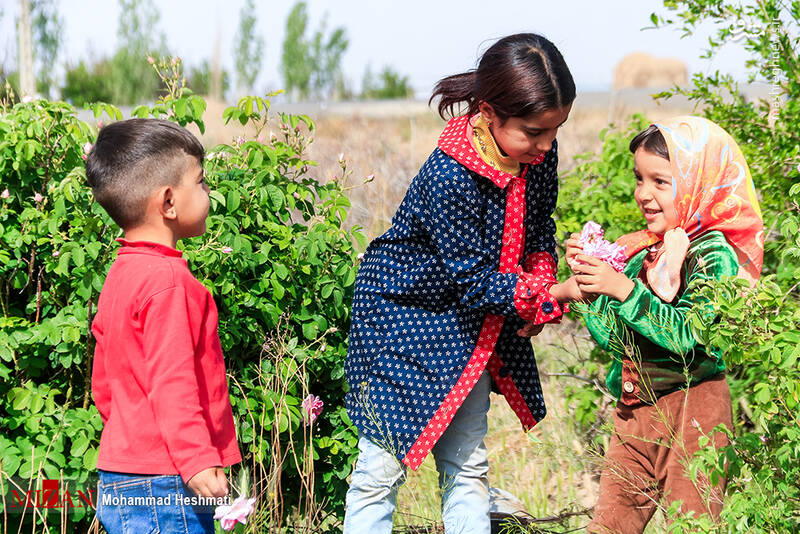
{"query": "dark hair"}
pixel 518 76
pixel 652 140
pixel 131 159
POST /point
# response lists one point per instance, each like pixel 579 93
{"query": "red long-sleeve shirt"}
pixel 159 377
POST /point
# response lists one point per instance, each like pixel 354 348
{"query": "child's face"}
pixel 654 191
pixel 191 201
pixel 524 139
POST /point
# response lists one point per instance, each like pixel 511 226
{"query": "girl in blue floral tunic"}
pixel 447 298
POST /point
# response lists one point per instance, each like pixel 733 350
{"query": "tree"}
pixel 327 58
pixel 295 60
pixel 200 79
pixel 48 32
pixel 134 80
pixel 25 49
pixel 249 48
pixel 311 66
pixel 389 84
pixel 84 85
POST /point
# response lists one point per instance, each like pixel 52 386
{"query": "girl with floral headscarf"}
pixel 695 191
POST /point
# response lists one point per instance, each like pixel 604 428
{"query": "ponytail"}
pixel 454 90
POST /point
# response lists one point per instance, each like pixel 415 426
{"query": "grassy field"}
pixel 553 469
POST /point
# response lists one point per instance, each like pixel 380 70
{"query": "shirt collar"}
pixel 147 247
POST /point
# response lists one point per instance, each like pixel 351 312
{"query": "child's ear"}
pixel 487 111
pixel 166 203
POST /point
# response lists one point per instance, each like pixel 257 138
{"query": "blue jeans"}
pixel 149 504
pixel 460 456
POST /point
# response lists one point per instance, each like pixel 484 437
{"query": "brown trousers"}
pixel 649 452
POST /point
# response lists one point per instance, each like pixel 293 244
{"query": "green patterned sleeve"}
pixel 665 324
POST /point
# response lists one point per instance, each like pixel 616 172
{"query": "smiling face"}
pixel 654 191
pixel 524 139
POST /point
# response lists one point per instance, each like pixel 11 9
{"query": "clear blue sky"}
pixel 424 39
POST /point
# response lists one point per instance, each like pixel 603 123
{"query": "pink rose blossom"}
pixel 592 230
pixel 151 59
pixel 37 197
pixel 369 178
pixel 595 245
pixel 695 423
pixel 312 408
pixel 227 250
pixel 27 99
pixel 240 140
pixel 100 125
pixel 5 194
pixel 360 256
pixel 260 138
pixel 56 253
pixel 236 512
pixel 296 195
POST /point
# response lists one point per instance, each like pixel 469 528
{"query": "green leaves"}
pixel 276 257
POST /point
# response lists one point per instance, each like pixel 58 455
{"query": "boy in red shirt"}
pixel 159 377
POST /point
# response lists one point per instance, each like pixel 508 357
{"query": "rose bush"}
pixel 276 256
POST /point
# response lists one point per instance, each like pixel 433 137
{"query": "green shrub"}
pixel 276 256
pixel 757 329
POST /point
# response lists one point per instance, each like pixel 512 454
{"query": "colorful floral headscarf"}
pixel 713 190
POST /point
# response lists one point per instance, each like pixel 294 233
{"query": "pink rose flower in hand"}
pixel 591 232
pixel 312 408
pixel 594 244
pixel 230 514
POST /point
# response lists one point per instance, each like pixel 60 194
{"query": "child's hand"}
pixel 209 482
pixel 530 329
pixel 596 276
pixel 569 291
pixel 573 249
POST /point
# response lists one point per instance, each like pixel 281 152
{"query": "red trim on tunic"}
pixel 509 390
pixel 453 401
pixel 455 143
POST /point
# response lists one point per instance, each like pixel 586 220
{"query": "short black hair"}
pixel 133 158
pixel 652 140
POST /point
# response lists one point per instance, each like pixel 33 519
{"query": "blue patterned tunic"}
pixel 440 295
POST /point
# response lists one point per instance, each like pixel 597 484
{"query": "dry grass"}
pixel 550 469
